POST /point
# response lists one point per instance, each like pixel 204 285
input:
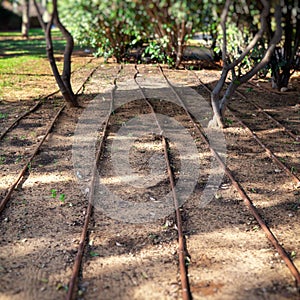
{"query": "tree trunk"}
pixel 39 15
pixel 63 82
pixel 66 75
pixel 180 43
pixel 219 103
pixel 25 19
pixel 217 120
pixel 283 61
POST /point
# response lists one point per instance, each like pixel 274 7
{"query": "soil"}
pixel 229 256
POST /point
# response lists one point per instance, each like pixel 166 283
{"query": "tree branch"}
pixel 272 45
pixel 224 16
pixel 69 98
pixel 39 15
pixel 66 74
pixel 220 105
pixel 263 20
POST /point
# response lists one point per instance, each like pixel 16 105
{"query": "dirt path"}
pixel 229 255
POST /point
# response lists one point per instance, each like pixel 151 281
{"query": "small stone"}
pixel 284 89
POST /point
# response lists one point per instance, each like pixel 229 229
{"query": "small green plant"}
pixel 293 170
pixel 62 198
pixel 94 254
pixel 18 159
pixel 187 261
pixel 61 286
pixel 248 90
pixel 293 254
pixel 2 159
pixel 3 115
pixel 228 121
pixel 53 193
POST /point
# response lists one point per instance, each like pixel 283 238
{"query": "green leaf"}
pixel 94 254
pixel 62 198
pixel 3 115
pixel 53 193
pixel 228 121
pixel 293 254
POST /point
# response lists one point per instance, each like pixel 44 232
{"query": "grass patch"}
pixel 17 64
pixel 25 72
pixel 24 63
pixel 13 45
pixel 10 33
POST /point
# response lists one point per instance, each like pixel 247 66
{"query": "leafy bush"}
pixel 109 27
pixel 172 23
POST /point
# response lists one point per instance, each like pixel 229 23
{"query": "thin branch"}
pixel 224 16
pixel 39 15
pixel 297 36
pixel 267 56
pixel 263 21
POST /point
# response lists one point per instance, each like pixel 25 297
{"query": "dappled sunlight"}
pixel 6 296
pixel 234 130
pixel 265 132
pixel 47 178
pixel 34 180
pixel 24 247
pixel 138 268
pixel 229 252
pixel 131 179
pixel 249 251
pixel 147 252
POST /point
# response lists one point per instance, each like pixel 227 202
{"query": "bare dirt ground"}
pixel 229 255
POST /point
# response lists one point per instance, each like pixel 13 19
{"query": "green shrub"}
pixel 109 27
pixel 112 27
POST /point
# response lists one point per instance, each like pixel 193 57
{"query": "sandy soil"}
pixel 229 255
